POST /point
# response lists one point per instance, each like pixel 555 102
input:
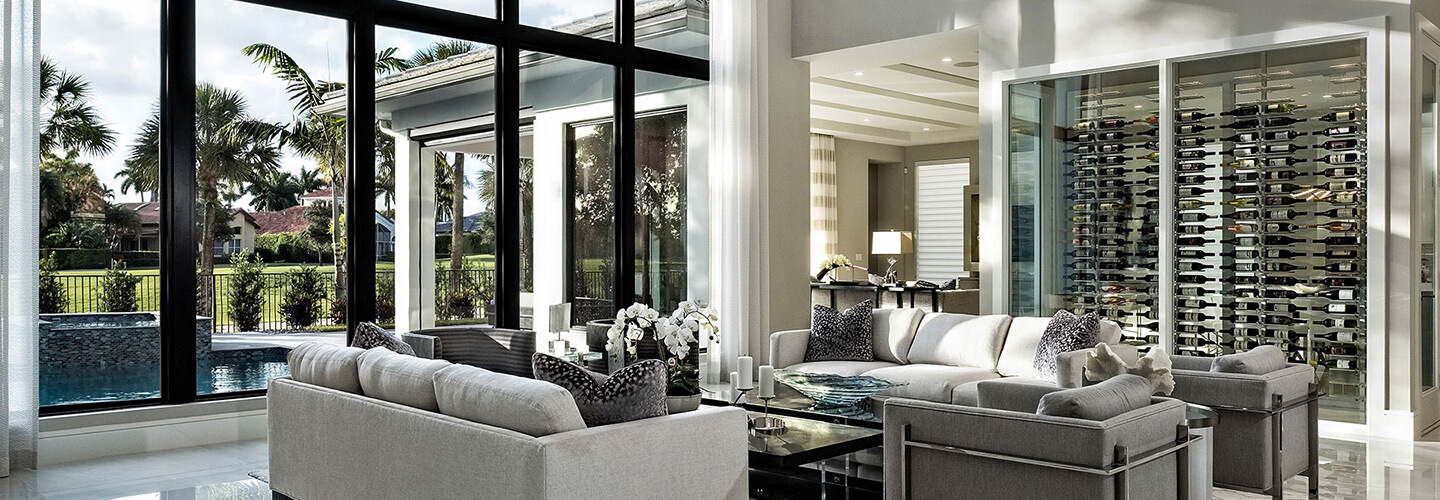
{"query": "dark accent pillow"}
pixel 631 393
pixel 1115 396
pixel 837 336
pixel 371 335
pixel 1257 361
pixel 1066 332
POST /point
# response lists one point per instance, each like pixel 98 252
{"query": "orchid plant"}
pixel 831 263
pixel 691 321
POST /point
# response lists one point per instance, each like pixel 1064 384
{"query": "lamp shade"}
pixel 891 243
pixel 559 317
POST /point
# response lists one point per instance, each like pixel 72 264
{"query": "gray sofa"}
pixel 942 357
pixel 350 423
pixel 1006 454
pixel 1265 419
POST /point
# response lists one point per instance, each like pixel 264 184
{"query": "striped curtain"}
pixel 823 212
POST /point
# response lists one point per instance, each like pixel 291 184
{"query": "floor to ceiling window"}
pixel 202 198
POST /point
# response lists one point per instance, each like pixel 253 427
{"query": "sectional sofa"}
pixel 943 357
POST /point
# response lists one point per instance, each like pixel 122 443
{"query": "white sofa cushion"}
pixel 1017 358
pixel 845 368
pixel 893 331
pixel 326 365
pixel 959 340
pixel 398 378
pixel 929 382
pixel 520 404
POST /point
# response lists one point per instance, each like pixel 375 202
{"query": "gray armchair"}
pixel 936 450
pixel 1265 420
pixel 495 349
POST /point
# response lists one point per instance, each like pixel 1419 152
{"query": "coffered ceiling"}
pixel 922 90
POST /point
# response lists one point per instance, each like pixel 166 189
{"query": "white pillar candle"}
pixel 747 370
pixel 767 381
pixel 734 380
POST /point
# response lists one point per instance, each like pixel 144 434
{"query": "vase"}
pixel 682 404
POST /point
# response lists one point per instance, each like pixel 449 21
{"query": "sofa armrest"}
pixel 424 345
pixel 1243 390
pixel 495 349
pixel 788 347
pixel 1013 393
pixel 1192 363
pixel 649 456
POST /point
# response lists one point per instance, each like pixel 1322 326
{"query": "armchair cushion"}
pixel 520 404
pixel 837 336
pixel 960 340
pixel 397 378
pixel 1257 361
pixel 1012 393
pixel 631 393
pixel 893 330
pixel 1102 401
pixel 326 365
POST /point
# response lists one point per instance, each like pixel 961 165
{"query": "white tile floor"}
pixel 1378 469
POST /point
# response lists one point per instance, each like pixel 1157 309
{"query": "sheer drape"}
pixel 19 233
pixel 823 212
pixel 736 156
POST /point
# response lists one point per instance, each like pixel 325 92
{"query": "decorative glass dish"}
pixel 834 393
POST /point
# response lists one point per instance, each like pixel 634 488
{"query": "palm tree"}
pixel 277 192
pixel 69 186
pixel 230 148
pixel 144 181
pixel 70 122
pixel 320 137
pixel 439 52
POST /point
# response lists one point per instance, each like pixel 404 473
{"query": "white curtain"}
pixel 824 215
pixel 736 156
pixel 19 233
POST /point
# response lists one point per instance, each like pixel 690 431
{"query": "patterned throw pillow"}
pixel 1066 332
pixel 631 393
pixel 836 336
pixel 371 335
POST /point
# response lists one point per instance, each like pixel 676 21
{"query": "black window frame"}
pixel 509 37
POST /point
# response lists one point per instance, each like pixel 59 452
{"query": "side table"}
pixel 1202 421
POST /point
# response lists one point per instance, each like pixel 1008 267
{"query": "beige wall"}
pixel 852 191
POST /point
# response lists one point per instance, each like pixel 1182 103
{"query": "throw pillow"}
pixel 837 336
pixel 1103 364
pixel 1257 361
pixel 1102 401
pixel 371 335
pixel 1066 332
pixel 631 393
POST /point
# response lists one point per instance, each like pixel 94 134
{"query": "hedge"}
pixel 139 258
pixel 78 258
pixel 290 247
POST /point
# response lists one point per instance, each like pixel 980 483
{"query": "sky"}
pixel 115 44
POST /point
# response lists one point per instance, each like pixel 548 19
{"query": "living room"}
pixel 750 249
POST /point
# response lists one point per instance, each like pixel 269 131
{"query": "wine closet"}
pixel 1265 217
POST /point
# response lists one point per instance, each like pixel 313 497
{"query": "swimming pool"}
pixel 73 384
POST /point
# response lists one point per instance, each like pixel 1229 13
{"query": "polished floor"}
pixel 1350 470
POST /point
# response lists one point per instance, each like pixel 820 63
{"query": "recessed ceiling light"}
pixel 1138 106
pixel 966 64
pixel 946 59
pixel 859 73
pixel 927 129
pixel 867 119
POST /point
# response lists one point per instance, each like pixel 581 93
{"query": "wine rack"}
pixel 1111 194
pixel 1270 211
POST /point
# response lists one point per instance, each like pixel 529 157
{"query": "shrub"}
pixel 76 234
pixel 117 290
pixel 385 298
pixel 300 306
pixel 337 311
pixel 289 247
pixel 78 258
pixel 141 258
pixel 53 298
pixel 247 280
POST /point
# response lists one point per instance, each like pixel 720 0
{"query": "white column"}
pixel 414 235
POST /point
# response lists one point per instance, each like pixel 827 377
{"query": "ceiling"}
pixel 903 93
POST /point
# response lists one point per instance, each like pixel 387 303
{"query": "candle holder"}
pixel 767 424
pixel 740 394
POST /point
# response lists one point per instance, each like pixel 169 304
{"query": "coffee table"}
pixel 789 402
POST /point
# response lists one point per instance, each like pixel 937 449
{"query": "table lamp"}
pixel 559 322
pixel 891 243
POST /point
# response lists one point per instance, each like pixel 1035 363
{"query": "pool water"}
pixel 92 384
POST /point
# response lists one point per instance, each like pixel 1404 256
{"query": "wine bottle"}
pixel 1192 154
pixel 1081 265
pixel 1192 329
pixel 1190 142
pixel 1195 303
pixel 1341 144
pixel 1280 227
pixel 1082 276
pixel 1081 253
pixel 1343 364
pixel 1241 163
pixel 1280 320
pixel 1249 332
pixel 1281 280
pixel 1243 177
pixel 1242 267
pixel 1192 179
pixel 1342 350
pixel 1114 206
pixel 1243 151
pixel 1100 124
pixel 1245 215
pixel 1194 217
pixel 1282 135
pixel 1242 280
pixel 1246 318
pixel 1345 185
pixel 1336 226
pixel 1282 188
pixel 1192 191
pixel 1340 172
pixel 1114 242
pixel 1341 282
pixel 1339 294
pixel 1281 253
pixel 1242 124
pixel 1284 161
pixel 1282 148
pixel 1339 323
pixel 1245 306
pixel 1242 254
pixel 1189 167
pixel 1342 240
pixel 1080 195
pixel 1194 316
pixel 1242 241
pixel 1282 121
pixel 1190 204
pixel 1151 157
pixel 1191 291
pixel 1110 160
pixel 1242 137
pixel 1190 116
pixel 1283 240
pixel 1281 175
pixel 1192 128
pixel 1282 107
pixel 1192 254
pixel 1195 229
pixel 1340 131
pixel 1193 241
pixel 1111 136
pixel 1335 336
pixel 1281 267
pixel 1111 253
pixel 1246 110
pixel 1154 132
pixel 1242 189
pixel 1340 116
pixel 1281 200
pixel 1339 308
pixel 1340 213
pixel 1280 294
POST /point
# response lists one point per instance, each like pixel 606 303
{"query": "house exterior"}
pixel 243 228
pixel 292 220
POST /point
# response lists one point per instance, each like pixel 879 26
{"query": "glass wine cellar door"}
pixel 1267 242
